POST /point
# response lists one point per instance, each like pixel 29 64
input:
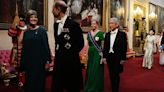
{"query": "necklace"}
pixel 35 29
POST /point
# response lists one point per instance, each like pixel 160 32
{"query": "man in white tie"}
pixel 115 48
pixel 67 72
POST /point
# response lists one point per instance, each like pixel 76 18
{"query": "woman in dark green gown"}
pixel 35 55
pixel 95 71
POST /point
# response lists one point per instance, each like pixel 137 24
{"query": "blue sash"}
pixel 98 48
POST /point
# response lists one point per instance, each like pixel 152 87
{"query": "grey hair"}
pixel 29 13
pixel 152 30
pixel 32 12
pixel 115 20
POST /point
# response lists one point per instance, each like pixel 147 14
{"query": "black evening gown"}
pixel 35 54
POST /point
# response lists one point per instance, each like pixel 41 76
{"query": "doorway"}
pixel 139 29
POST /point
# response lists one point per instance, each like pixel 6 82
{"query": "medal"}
pixel 67 45
pixel 57 47
pixel 66 37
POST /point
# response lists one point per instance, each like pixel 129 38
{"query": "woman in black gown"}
pixel 35 55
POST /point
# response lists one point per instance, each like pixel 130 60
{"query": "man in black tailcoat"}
pixel 115 48
pixel 67 74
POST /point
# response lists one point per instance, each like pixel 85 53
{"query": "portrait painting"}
pixel 38 5
pixel 161 18
pixel 8 12
pixel 152 19
pixel 118 10
pixel 86 10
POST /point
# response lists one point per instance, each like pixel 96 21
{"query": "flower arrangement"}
pixel 4 70
pixel 6 73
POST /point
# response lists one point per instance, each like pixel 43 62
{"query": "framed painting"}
pixel 7 13
pixel 118 10
pixel 152 16
pixel 160 19
pixel 86 10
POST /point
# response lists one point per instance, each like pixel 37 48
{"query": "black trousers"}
pixel 59 87
pixel 115 81
pixel 114 71
pixel 64 90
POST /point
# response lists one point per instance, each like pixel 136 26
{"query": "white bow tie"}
pixel 111 50
pixel 113 32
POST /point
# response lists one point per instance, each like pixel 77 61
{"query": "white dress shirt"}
pixel 61 24
pixel 112 39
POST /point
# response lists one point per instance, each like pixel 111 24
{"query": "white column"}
pixel 50 26
pixel 130 22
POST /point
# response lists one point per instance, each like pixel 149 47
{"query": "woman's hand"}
pixel 103 61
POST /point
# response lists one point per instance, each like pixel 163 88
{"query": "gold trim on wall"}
pixel 160 18
pixel 104 15
pixel 46 13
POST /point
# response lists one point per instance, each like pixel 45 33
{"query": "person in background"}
pixel 77 18
pixel 36 55
pixel 156 43
pixel 16 32
pixel 148 47
pixel 161 45
pixel 94 81
pixel 115 48
pixel 67 74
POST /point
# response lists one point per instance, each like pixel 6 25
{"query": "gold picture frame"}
pixel 160 19
pixel 118 10
pixel 87 10
pixel 152 19
pixel 41 6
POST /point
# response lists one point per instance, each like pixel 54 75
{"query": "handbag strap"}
pixel 98 48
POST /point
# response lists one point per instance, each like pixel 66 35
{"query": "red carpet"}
pixel 133 79
pixel 138 79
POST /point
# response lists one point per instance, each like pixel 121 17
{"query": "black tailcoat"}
pixel 67 66
pixel 119 48
pixel 113 59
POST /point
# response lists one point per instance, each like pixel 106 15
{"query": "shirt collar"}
pixel 114 32
pixel 63 19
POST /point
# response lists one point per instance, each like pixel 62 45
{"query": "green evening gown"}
pixel 95 71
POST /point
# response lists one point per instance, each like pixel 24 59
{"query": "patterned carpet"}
pixel 133 79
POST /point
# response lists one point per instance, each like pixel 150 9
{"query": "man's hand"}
pixel 122 61
pixel 47 66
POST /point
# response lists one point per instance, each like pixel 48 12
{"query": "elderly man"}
pixel 115 48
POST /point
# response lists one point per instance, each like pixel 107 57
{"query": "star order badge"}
pixel 66 37
pixel 67 45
